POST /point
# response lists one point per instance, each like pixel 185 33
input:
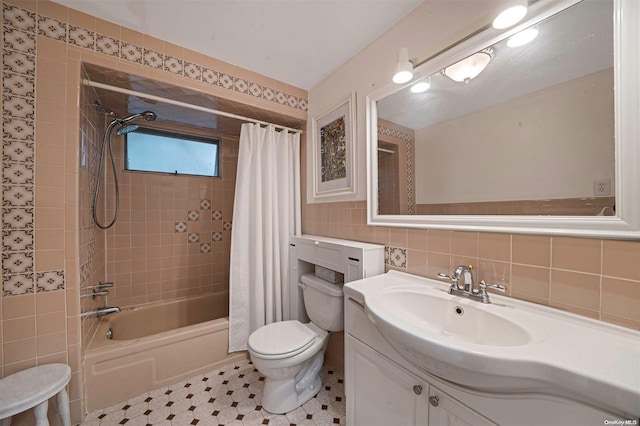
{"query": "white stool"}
pixel 33 388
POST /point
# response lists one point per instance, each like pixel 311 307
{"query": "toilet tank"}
pixel 323 302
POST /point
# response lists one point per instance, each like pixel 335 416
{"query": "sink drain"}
pixel 459 310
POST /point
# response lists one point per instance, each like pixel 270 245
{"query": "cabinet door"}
pixel 446 411
pixel 380 393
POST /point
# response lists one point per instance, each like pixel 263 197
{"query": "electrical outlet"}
pixel 602 188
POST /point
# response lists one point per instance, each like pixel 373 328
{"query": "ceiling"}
pixel 299 42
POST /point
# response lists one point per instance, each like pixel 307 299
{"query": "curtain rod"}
pixel 90 83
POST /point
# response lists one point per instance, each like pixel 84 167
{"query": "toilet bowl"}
pixel 290 354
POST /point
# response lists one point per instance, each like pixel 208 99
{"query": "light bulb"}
pixel 522 38
pixel 421 86
pixel 404 68
pixel 513 14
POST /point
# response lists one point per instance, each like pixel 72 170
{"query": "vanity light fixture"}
pixel 513 13
pixel 522 38
pixel 404 68
pixel 421 86
pixel 470 67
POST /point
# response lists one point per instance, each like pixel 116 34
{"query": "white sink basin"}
pixel 506 346
pixel 448 317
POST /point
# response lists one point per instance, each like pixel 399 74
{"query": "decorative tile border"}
pixel 16 18
pixel 182 227
pixel 397 257
pixel 18 143
pixel 408 139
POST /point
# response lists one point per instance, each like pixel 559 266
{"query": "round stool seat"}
pixel 29 388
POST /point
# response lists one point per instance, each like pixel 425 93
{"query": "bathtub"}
pixel 154 346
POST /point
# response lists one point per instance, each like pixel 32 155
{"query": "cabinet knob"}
pixel 417 389
pixel 434 400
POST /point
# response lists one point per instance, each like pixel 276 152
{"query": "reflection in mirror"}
pixel 523 127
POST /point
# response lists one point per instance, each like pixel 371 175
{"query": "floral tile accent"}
pixel 398 257
pixel 205 204
pixel 15 285
pixel 268 94
pixel 17 107
pixel 81 37
pixel 205 248
pixel 209 76
pixel 226 225
pixel 281 98
pixel 292 101
pixel 386 255
pixel 19 129
pixel 181 227
pixel 193 71
pixel 19 18
pixel 255 90
pixel 17 240
pixel 153 59
pixel 21 151
pixel 17 218
pixel 49 281
pixel 216 215
pixel 216 236
pixel 17 263
pixel 107 45
pixel 303 104
pixel 193 237
pixel 22 41
pixel 193 215
pixel 226 81
pixel 17 196
pixel 173 65
pixel 18 85
pixel 241 85
pixel 52 28
pixel 130 52
pixel 18 62
pixel 17 173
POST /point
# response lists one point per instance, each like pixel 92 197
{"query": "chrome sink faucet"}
pixel 468 290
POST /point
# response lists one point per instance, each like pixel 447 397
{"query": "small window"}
pixel 150 150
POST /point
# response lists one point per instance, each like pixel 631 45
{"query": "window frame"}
pixel 175 134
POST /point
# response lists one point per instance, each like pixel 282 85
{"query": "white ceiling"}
pixel 299 42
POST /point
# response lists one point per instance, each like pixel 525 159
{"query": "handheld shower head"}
pixel 127 129
pixel 147 115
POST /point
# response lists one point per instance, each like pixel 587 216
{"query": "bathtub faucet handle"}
pixel 102 286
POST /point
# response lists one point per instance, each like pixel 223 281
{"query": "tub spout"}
pixel 105 311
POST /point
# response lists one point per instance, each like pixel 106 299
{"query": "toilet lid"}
pixel 285 338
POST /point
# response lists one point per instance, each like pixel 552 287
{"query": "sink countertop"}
pixel 569 355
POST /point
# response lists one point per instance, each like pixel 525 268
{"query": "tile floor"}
pixel 228 396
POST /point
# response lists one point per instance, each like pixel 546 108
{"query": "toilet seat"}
pixel 281 340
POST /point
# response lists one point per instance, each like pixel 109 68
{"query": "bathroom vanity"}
pixel 415 355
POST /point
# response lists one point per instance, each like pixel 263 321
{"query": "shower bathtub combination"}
pixel 156 345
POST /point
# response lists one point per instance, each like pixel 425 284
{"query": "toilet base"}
pixel 284 395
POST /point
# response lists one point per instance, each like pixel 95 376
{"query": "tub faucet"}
pixel 100 312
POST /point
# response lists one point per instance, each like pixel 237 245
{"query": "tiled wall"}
pixel 173 234
pixel 404 140
pixel 596 278
pixel 45 236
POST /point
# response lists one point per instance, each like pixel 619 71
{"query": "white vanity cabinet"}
pixel 382 388
pixel 381 393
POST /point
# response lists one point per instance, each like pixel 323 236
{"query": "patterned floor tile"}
pixel 228 396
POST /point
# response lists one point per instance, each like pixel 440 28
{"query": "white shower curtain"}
pixel 266 212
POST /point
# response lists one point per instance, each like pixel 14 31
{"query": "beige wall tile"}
pixel 18 306
pixel 575 289
pixel 464 243
pixel 530 281
pixel 494 246
pixel 439 241
pixel 621 298
pixel 19 328
pixel 621 259
pixel 531 250
pixel 577 254
pixel 19 350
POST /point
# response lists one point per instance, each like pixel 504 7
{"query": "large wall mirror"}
pixel 534 129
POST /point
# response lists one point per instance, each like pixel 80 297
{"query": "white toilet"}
pixel 290 354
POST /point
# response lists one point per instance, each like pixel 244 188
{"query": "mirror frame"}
pixel 626 223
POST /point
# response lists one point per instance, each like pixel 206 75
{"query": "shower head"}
pixel 127 129
pixel 147 115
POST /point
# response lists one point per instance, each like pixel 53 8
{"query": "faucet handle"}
pixel 483 287
pixel 443 276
